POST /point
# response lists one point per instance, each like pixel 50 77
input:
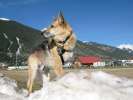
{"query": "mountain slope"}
pixel 14 29
pixel 14 35
pixel 105 51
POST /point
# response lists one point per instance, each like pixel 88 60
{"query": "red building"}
pixel 89 60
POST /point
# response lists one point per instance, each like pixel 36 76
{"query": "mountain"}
pixel 17 40
pixel 128 47
pixel 4 19
pixel 102 50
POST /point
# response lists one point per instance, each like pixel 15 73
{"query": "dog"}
pixel 53 52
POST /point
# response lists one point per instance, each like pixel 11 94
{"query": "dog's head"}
pixel 59 28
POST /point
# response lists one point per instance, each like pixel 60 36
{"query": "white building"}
pixel 99 64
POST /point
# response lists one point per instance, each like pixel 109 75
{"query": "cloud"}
pixel 17 2
pixel 126 46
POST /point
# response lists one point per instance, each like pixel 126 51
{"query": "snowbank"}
pixel 81 85
pixel 9 89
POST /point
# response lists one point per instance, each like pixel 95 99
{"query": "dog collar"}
pixel 63 42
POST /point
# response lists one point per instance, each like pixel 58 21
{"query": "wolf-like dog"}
pixel 53 51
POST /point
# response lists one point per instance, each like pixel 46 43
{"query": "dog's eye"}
pixel 52 26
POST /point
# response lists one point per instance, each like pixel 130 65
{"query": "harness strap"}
pixel 61 50
pixel 66 39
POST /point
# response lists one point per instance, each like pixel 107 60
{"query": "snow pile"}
pixel 9 89
pixel 85 86
pixel 81 85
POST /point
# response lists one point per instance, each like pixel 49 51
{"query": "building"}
pixel 128 62
pixel 3 65
pixel 93 61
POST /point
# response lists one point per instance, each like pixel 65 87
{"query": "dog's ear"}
pixel 55 18
pixel 61 18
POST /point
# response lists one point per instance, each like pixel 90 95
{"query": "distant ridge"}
pixel 126 46
pixel 102 50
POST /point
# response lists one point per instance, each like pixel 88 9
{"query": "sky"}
pixel 103 21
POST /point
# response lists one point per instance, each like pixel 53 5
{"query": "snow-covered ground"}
pixel 81 85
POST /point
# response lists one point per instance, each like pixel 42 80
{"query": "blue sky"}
pixel 103 21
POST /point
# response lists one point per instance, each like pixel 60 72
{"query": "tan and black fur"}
pixel 47 54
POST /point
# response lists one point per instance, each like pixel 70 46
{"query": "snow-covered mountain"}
pixel 126 46
pixel 4 19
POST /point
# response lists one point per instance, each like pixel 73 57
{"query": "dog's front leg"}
pixel 32 71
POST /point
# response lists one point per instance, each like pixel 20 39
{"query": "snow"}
pixel 9 89
pixel 126 46
pixel 4 19
pixel 44 29
pixel 9 40
pixel 80 85
pixel 19 46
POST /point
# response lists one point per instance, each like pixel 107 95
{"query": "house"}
pixel 3 65
pixel 99 63
pixel 17 67
pixel 89 61
pixel 128 62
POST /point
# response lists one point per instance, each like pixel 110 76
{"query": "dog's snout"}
pixel 47 34
pixel 43 31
